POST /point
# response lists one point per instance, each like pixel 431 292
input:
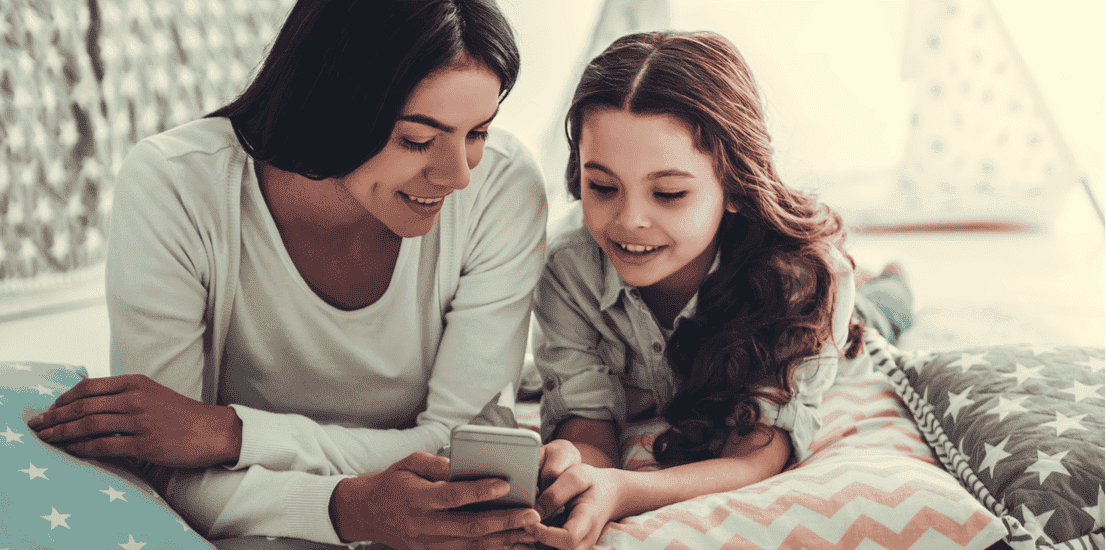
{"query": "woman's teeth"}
pixel 424 200
pixel 637 248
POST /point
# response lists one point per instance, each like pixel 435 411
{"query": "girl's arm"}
pixel 597 440
pixel 744 461
pixel 605 494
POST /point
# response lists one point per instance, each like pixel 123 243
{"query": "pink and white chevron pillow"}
pixel 872 481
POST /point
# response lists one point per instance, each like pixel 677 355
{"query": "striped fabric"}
pixel 872 481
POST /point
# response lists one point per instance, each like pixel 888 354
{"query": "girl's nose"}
pixel 634 213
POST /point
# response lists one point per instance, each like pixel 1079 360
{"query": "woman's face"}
pixel 650 197
pixel 437 141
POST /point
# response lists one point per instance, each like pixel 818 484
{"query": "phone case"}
pixel 489 451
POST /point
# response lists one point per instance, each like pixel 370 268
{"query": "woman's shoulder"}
pixel 203 137
pixel 198 157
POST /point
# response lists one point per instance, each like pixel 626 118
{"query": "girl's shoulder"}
pixel 569 242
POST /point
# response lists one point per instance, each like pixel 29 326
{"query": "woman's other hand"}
pixel 593 498
pixel 409 506
pixel 133 416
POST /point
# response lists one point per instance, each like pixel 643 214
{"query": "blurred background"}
pixel 961 138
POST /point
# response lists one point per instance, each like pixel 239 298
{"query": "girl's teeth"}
pixel 637 248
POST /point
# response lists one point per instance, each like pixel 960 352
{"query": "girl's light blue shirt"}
pixel 601 351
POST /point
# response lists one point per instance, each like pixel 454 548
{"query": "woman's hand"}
pixel 133 416
pixel 593 498
pixel 408 506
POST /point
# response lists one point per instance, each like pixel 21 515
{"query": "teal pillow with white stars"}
pixel 1023 427
pixel 50 499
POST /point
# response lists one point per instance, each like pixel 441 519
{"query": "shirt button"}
pixel 635 294
pixel 550 384
pixel 657 347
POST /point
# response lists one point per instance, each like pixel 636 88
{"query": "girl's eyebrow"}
pixel 439 125
pixel 654 175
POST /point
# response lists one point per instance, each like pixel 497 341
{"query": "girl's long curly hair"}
pixel 771 302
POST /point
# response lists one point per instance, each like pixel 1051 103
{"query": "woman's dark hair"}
pixel 770 304
pixel 335 81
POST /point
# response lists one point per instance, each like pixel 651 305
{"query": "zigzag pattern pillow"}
pixel 50 499
pixel 872 481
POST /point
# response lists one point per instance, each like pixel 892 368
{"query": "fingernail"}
pixel 34 422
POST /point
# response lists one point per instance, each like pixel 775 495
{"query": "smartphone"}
pixel 512 454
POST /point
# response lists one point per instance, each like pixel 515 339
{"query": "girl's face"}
pixel 437 141
pixel 650 198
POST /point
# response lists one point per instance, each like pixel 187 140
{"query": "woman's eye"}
pixel 419 146
pixel 669 196
pixel 478 135
pixel 601 189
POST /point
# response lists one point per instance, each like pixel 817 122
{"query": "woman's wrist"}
pixel 349 526
pixel 230 448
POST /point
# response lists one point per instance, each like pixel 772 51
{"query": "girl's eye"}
pixel 670 196
pixel 418 146
pixel 478 135
pixel 601 189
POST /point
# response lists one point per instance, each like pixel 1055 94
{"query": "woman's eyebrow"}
pixel 439 125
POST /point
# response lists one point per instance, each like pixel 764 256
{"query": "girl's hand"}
pixel 408 506
pixel 593 496
pixel 133 416
pixel 556 457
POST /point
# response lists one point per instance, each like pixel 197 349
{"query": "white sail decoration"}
pixel 983 150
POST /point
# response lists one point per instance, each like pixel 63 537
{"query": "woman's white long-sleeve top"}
pixel 203 298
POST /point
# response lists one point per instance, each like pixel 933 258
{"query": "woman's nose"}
pixel 451 167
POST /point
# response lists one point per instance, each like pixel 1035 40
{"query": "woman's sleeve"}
pixel 486 319
pixel 800 417
pixel 157 275
pixel 577 382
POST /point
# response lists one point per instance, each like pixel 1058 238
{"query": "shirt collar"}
pixel 614 287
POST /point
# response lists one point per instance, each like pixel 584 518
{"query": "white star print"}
pixel 56 519
pixel 1 403
pixel 1096 511
pixel 969 360
pixel 1022 373
pixel 183 524
pixel 1007 406
pixel 1078 391
pixel 1036 524
pixel 43 390
pixel 35 472
pixel 1065 423
pixel 21 367
pixel 1092 363
pixel 1038 349
pixel 992 455
pixel 1047 464
pixel 958 401
pixel 131 544
pixel 914 360
pixel 10 436
pixel 113 493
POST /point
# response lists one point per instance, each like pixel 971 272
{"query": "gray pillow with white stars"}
pixel 1023 428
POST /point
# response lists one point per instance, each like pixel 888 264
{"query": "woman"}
pixel 309 287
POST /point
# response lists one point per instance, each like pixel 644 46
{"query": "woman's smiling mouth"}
pixel 423 200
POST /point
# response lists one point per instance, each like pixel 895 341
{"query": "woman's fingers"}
pixel 87 426
pixel 81 408
pixel 483 524
pixel 98 386
pixel 109 446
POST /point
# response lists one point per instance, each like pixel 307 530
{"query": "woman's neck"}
pixel 319 209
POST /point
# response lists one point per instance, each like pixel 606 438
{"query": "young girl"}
pixel 692 283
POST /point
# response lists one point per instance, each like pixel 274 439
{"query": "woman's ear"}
pixel 731 206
